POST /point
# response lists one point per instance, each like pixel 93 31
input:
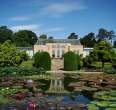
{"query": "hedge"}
pixel 36 59
pixel 42 60
pixel 78 62
pixel 70 61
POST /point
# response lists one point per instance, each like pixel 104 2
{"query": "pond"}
pixel 49 102
pixel 103 100
pixel 71 92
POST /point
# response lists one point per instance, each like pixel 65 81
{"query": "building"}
pixel 29 50
pixel 86 51
pixel 58 47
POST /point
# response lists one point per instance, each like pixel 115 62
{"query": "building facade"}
pixel 58 47
pixel 28 50
pixel 86 51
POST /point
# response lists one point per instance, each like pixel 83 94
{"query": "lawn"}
pixel 99 65
pixel 28 64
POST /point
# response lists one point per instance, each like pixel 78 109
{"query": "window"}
pixel 53 53
pixel 68 48
pixel 58 53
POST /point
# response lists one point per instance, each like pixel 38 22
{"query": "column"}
pixel 55 53
pixel 60 53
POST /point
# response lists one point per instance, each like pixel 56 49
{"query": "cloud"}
pixel 58 9
pixel 19 18
pixel 32 27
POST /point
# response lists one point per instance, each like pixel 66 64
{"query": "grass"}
pixel 28 64
pixel 99 65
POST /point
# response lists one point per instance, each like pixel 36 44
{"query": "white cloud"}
pixel 61 8
pixel 19 18
pixel 26 27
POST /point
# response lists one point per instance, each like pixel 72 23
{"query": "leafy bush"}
pixel 24 56
pixel 45 61
pixel 70 61
pixel 10 56
pixel 36 59
pixel 78 62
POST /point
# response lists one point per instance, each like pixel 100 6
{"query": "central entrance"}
pixel 58 50
pixel 57 53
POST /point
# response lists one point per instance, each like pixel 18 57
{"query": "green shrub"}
pixel 45 61
pixel 10 55
pixel 78 62
pixel 36 59
pixel 42 60
pixel 24 56
pixel 70 61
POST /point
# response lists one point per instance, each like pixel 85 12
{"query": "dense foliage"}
pixel 43 36
pixel 24 38
pixel 42 60
pixel 73 36
pixel 36 58
pixel 78 62
pixel 103 52
pixel 10 56
pixel 45 61
pixel 13 71
pixel 105 34
pixel 88 40
pixel 5 34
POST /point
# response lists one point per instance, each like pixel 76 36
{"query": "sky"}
pixel 58 18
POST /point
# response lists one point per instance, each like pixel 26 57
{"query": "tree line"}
pixel 27 38
pixel 22 38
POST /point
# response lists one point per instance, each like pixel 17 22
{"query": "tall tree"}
pixel 105 34
pixel 88 40
pixel 5 34
pixel 25 38
pixel 103 50
pixel 73 36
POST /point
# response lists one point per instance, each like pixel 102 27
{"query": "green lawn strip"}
pixel 28 64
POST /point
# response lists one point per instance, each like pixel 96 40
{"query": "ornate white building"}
pixel 57 47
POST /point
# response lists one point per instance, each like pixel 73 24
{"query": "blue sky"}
pixel 58 18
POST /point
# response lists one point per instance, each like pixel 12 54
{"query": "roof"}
pixel 44 41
